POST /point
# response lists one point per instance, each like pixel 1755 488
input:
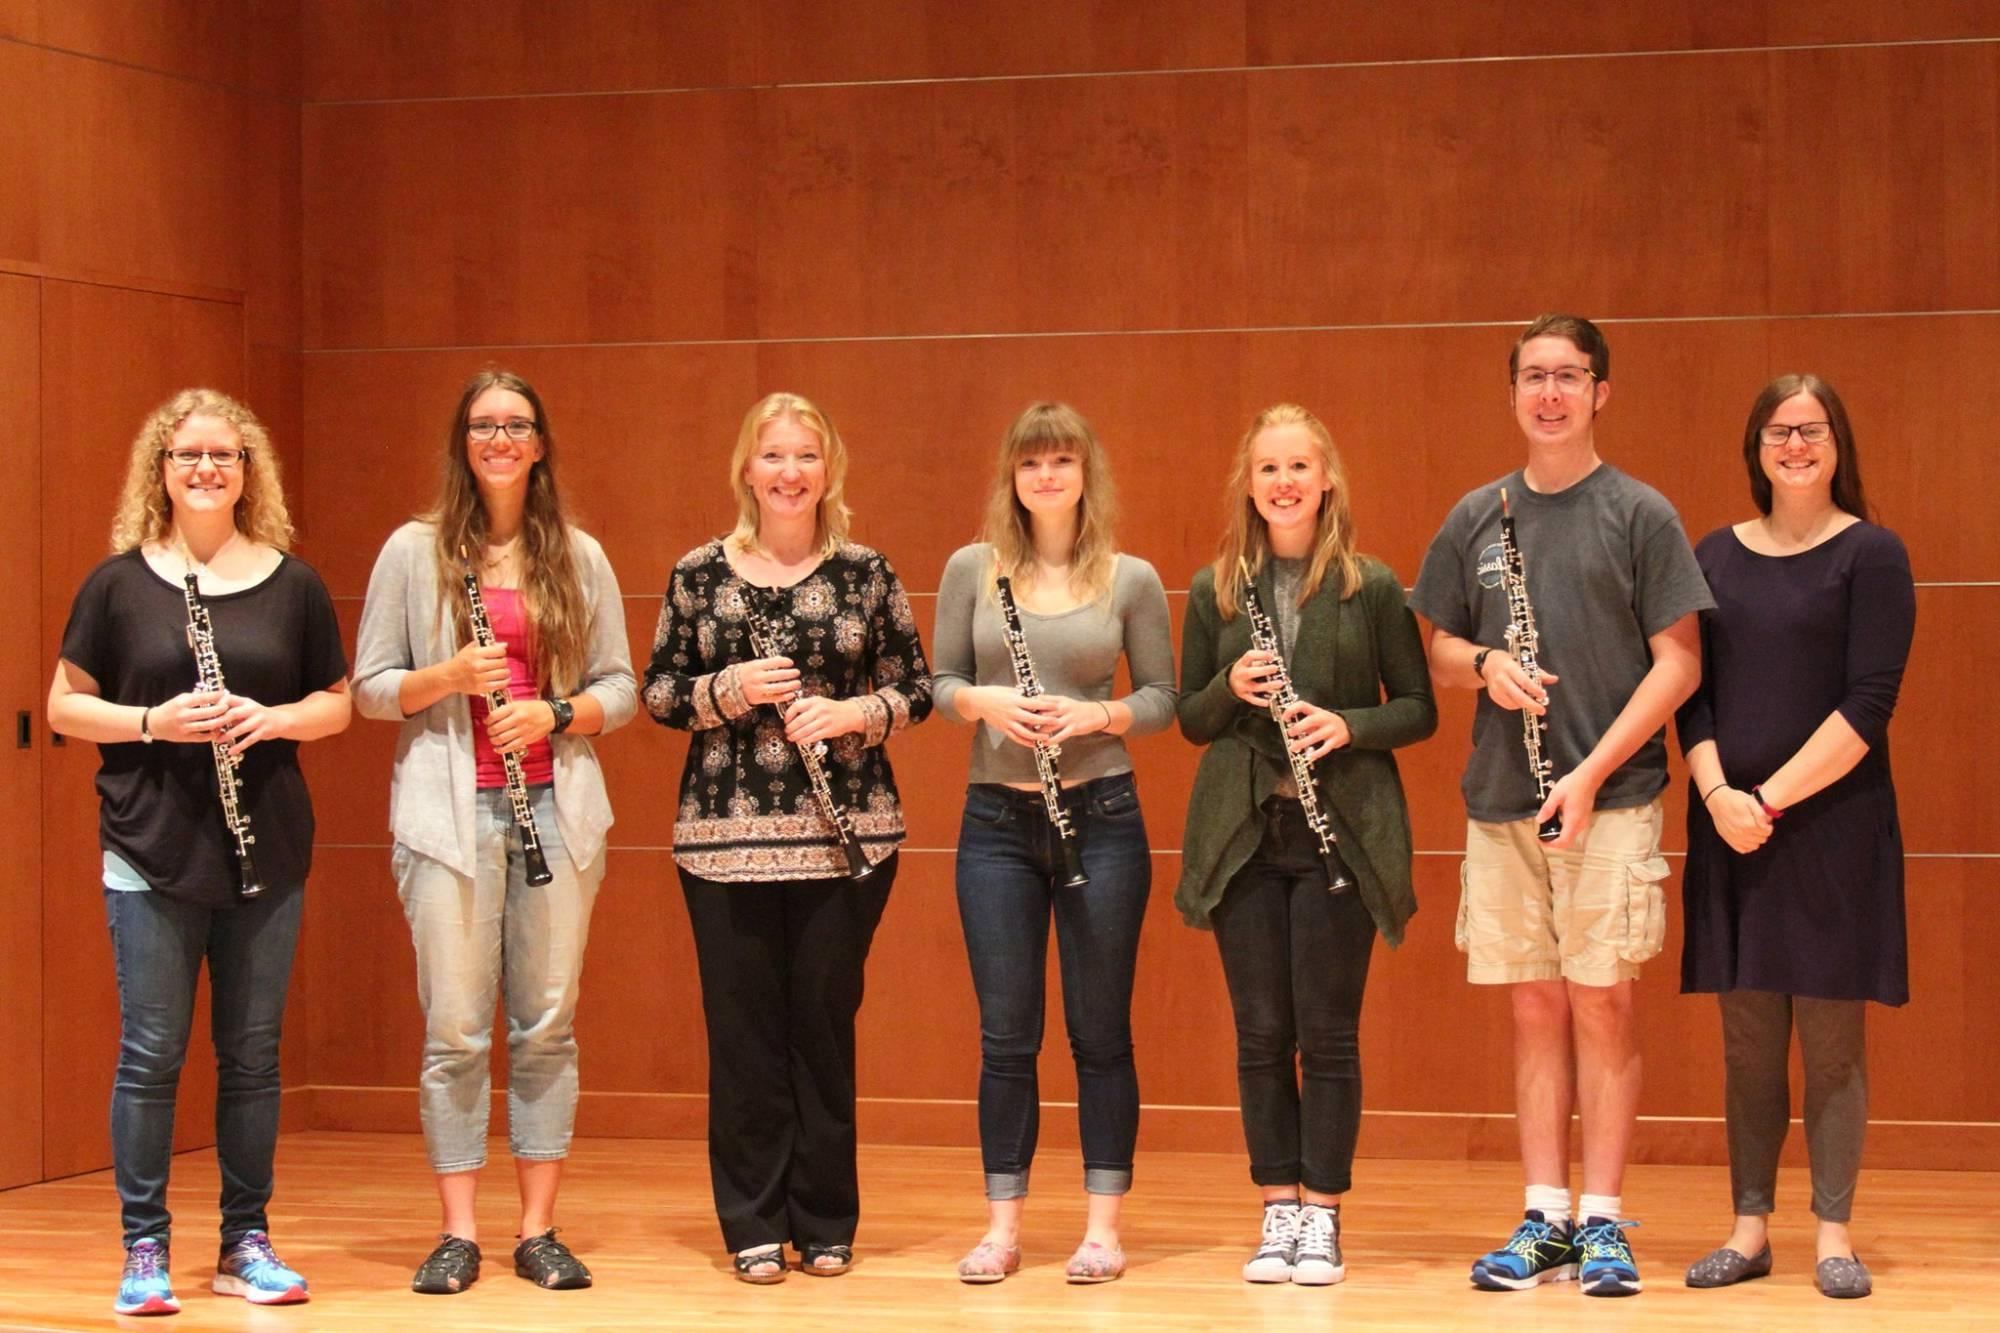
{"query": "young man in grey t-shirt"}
pixel 1614 591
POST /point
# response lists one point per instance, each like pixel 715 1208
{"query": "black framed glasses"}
pixel 518 429
pixel 1569 379
pixel 1812 432
pixel 223 459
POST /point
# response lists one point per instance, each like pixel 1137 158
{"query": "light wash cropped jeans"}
pixel 475 935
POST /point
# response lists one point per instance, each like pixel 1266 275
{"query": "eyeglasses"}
pixel 1569 379
pixel 519 429
pixel 223 459
pixel 1812 432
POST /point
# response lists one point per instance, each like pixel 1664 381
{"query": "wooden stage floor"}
pixel 355 1212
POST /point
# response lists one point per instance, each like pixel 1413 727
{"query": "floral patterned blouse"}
pixel 747 812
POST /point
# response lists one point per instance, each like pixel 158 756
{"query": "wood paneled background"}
pixel 925 213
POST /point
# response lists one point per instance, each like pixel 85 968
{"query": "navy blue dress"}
pixel 1818 909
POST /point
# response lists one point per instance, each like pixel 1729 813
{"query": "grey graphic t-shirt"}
pixel 1608 567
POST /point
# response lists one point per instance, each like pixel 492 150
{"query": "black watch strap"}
pixel 565 713
pixel 1479 662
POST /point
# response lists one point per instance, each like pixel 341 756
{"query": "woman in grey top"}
pixel 1080 605
pixel 480 927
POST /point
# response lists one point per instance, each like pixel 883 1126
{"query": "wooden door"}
pixel 109 357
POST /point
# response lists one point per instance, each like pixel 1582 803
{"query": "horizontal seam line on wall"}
pixel 176 75
pixel 919 81
pixel 1156 851
pixel 652 599
pixel 1206 331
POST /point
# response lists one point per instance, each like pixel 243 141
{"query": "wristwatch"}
pixel 1479 662
pixel 565 713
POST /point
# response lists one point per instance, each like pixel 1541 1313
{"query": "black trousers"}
pixel 781 980
pixel 1296 959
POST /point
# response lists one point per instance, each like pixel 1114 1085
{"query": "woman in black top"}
pixel 201 498
pixel 1794 885
pixel 781 931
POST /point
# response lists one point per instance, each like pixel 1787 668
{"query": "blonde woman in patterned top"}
pixel 781 930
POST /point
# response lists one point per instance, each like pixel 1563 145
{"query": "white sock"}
pixel 1606 1206
pixel 1551 1201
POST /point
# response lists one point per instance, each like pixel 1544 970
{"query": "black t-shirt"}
pixel 158 805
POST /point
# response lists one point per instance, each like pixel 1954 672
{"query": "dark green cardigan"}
pixel 1350 652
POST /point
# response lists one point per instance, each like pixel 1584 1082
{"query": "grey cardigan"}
pixel 431 794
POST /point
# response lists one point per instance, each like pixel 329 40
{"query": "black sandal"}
pixel 547 1262
pixel 760 1264
pixel 810 1256
pixel 451 1268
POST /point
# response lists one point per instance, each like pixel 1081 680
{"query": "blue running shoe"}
pixel 144 1288
pixel 1608 1269
pixel 252 1269
pixel 1537 1252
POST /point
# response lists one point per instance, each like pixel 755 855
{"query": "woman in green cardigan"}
pixel 1295 952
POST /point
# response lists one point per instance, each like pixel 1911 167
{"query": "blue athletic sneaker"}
pixel 144 1288
pixel 1537 1252
pixel 252 1269
pixel 1608 1269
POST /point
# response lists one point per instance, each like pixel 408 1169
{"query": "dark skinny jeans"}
pixel 1296 959
pixel 1008 889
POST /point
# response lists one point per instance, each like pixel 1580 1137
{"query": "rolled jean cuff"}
pixel 1106 1180
pixel 1004 1185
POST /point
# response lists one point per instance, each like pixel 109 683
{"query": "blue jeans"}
pixel 472 934
pixel 159 944
pixel 1008 864
pixel 1296 960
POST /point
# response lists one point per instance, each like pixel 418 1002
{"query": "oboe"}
pixel 1046 752
pixel 517 779
pixel 813 757
pixel 208 678
pixel 1264 637
pixel 1524 642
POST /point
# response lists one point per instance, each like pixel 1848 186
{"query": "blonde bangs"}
pixel 1042 428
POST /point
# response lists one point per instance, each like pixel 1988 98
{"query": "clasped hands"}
pixel 809 718
pixel 1310 730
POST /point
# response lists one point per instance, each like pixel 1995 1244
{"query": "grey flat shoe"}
pixel 1726 1267
pixel 1842 1279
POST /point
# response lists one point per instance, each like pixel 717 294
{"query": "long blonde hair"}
pixel 144 512
pixel 552 592
pixel 830 520
pixel 1244 536
pixel 1042 428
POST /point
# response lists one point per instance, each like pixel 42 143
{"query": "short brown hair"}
pixel 1587 337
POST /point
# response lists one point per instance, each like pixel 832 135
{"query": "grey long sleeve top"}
pixel 433 789
pixel 1075 654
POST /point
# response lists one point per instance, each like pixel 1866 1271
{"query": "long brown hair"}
pixel 1043 428
pixel 144 512
pixel 551 590
pixel 1244 536
pixel 1847 492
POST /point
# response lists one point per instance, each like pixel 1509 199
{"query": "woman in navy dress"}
pixel 1794 887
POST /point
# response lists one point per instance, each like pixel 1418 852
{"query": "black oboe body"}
pixel 1264 636
pixel 532 857
pixel 1046 752
pixel 228 781
pixel 1524 642
pixel 812 756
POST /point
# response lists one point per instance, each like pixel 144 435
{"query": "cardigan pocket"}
pixel 1645 910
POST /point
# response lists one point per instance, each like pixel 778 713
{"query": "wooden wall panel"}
pixel 423 226
pixel 21 163
pixel 23 682
pixel 252 44
pixel 1303 31
pixel 109 357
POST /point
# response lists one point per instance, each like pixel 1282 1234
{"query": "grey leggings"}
pixel 1756 1041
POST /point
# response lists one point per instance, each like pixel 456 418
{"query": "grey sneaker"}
pixel 1726 1267
pixel 1279 1245
pixel 1319 1263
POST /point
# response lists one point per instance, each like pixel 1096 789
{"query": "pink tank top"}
pixel 510 626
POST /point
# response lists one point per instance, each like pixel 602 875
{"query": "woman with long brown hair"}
pixel 1079 605
pixel 1794 888
pixel 1295 946
pixel 202 522
pixel 461 857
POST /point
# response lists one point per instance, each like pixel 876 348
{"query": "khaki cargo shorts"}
pixel 1590 915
